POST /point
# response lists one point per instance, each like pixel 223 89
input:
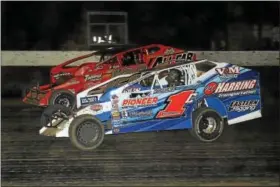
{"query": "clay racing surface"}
pixel 247 154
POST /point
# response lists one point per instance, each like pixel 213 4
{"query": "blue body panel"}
pixel 228 104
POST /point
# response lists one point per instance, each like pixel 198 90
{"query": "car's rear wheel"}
pixel 207 125
pixel 86 132
pixel 63 97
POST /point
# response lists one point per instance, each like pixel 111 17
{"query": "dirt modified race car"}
pixel 202 96
pixel 67 81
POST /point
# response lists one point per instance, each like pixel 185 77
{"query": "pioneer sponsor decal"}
pixel 228 72
pixel 131 89
pixel 137 114
pixel 242 106
pixel 88 100
pixel 57 76
pixel 146 101
pixel 238 87
pixel 93 77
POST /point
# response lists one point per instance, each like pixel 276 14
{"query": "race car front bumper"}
pixel 35 95
pixel 59 129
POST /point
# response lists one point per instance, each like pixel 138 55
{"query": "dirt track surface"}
pixel 247 155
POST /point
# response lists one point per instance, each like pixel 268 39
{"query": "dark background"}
pixel 248 152
pixel 194 25
pixel 189 25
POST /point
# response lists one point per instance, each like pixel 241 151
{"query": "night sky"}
pixel 50 24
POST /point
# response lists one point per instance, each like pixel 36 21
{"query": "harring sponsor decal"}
pixel 242 106
pixel 236 88
pixel 88 100
pixel 146 101
pixel 228 72
pixel 133 114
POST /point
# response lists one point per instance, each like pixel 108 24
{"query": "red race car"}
pixel 67 80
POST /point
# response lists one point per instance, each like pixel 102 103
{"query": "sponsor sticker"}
pixel 226 89
pixel 72 81
pixel 116 115
pixel 164 90
pixel 92 77
pixel 88 100
pixel 96 107
pixel 115 106
pixel 115 66
pixel 115 99
pixel 137 114
pixel 89 84
pixel 116 130
pixel 57 76
pixel 99 67
pixel 106 76
pixel 173 58
pixel 242 106
pixel 131 89
pixel 116 122
pixel 115 103
pixel 146 101
pixel 169 51
pixel 164 114
pixel 228 72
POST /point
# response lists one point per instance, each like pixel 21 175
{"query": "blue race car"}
pixel 201 96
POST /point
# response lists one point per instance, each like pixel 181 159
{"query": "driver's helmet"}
pixel 174 78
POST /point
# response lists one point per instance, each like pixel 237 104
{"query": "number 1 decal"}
pixel 175 107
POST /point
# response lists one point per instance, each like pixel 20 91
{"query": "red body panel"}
pixel 79 78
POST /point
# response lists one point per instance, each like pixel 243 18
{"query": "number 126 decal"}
pixel 176 103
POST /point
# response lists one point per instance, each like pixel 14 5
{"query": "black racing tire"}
pixel 50 110
pixel 63 97
pixel 76 134
pixel 197 130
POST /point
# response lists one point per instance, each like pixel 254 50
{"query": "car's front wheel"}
pixel 207 125
pixel 63 97
pixel 86 132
